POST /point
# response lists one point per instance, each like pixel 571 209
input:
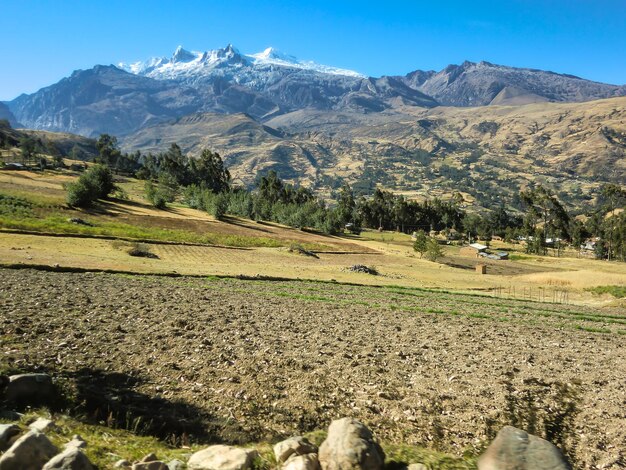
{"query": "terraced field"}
pixel 239 360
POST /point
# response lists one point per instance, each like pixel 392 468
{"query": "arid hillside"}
pixel 486 153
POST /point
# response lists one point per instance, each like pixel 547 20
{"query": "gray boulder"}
pixel 221 457
pixel 176 465
pixel 30 389
pixel 77 442
pixel 514 449
pixel 70 459
pixel 297 445
pixel 8 435
pixel 417 466
pixel 42 425
pixel 302 462
pixel 29 452
pixel 350 445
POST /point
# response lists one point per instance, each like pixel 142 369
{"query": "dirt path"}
pixel 262 359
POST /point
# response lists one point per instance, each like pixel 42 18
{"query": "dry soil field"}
pixel 253 360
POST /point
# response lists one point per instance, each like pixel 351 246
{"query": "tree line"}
pixel 205 183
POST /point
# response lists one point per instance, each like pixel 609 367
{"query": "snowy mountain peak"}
pixel 181 55
pixel 273 56
pixel 191 65
pixel 272 53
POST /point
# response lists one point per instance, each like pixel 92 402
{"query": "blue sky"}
pixel 44 41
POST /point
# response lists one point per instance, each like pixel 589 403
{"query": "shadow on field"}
pixel 111 397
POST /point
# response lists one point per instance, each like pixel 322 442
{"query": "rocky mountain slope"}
pixel 482 84
pixel 487 153
pixel 5 113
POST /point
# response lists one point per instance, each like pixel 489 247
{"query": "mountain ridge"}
pixel 270 84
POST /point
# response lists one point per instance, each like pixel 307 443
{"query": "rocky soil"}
pixel 243 361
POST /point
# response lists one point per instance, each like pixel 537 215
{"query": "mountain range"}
pixel 125 98
pixel 483 129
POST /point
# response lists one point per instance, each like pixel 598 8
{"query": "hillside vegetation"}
pixel 487 153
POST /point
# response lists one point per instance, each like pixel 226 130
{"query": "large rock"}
pixel 297 445
pixel 302 462
pixel 221 457
pixel 514 449
pixel 175 465
pixel 77 442
pixel 30 389
pixel 42 425
pixel 70 459
pixel 8 435
pixel 29 452
pixel 350 445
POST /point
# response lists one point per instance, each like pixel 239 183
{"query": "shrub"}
pixel 165 191
pixel 100 178
pixel 141 250
pixel 81 194
pixel 95 183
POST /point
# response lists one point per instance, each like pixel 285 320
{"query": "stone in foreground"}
pixel 152 465
pixel 30 389
pixel 221 457
pixel 42 425
pixel 514 449
pixel 302 462
pixel 297 445
pixel 8 435
pixel 29 452
pixel 70 459
pixel 350 445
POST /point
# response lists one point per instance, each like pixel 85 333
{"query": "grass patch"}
pixel 399 455
pixel 106 445
pixel 616 291
pixel 61 225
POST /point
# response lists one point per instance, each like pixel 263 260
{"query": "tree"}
pixel 346 205
pixel 271 188
pixel 542 207
pixel 611 197
pixel 421 242
pixel 29 148
pixel 163 192
pixel 107 150
pixel 433 249
pixel 209 171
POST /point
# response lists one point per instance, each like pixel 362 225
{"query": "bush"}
pixel 81 194
pixel 141 250
pixel 95 183
pixel 165 191
pixel 100 178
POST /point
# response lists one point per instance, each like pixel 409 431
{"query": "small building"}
pixel 474 250
pixel 478 247
pixel 502 255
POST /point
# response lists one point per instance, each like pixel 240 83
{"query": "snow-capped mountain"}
pixel 183 64
pixel 122 99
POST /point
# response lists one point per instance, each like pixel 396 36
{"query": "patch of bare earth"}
pixel 258 359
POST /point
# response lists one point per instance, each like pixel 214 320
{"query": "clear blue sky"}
pixel 43 41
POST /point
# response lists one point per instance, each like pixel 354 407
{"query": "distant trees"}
pixel 545 218
pixel 108 152
pixel 30 149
